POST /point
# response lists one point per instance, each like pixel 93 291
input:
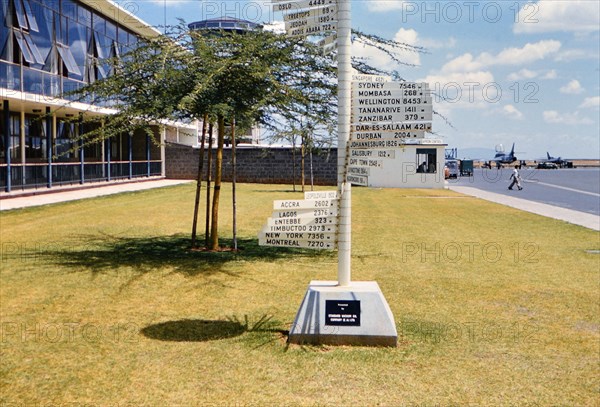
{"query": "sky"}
pixel 502 72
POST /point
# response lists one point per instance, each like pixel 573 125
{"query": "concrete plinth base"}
pixel 357 314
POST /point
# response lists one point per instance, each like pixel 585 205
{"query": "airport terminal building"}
pixel 48 47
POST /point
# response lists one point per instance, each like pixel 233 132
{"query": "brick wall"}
pixel 254 165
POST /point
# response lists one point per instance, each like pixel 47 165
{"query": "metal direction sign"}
pixel 379 103
pixel 424 109
pixel 376 144
pixel 320 236
pixel 363 171
pixel 320 195
pixel 307 221
pixel 311 29
pixel 370 78
pixel 305 213
pixel 390 127
pixel 332 39
pixel 382 135
pixel 329 48
pixel 372 154
pixel 357 180
pixel 365 162
pixel 299 228
pixel 313 14
pixel 396 93
pixel 389 85
pixel 305 204
pixel 297 243
pixel 287 5
pixel 392 117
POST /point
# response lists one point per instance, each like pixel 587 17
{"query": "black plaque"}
pixel 342 313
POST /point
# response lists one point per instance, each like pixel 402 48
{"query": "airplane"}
pixel 503 158
pixel 556 160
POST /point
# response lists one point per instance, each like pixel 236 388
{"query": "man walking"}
pixel 516 179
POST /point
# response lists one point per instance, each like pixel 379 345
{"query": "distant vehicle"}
pixel 453 168
pixel 547 165
pixel 560 163
pixel 466 168
pixel 502 158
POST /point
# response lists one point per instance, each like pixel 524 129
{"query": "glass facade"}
pixel 48 48
pixel 52 47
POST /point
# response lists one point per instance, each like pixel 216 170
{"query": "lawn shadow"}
pixel 101 253
pixel 197 330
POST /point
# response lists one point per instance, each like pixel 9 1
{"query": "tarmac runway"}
pixel 572 195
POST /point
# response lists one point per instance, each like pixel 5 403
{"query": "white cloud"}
pixel 552 116
pixel 522 74
pixel 551 74
pixel 573 55
pixel 385 5
pixel 512 112
pixel 277 27
pixel 581 16
pixel 511 56
pixel 572 88
pixel 592 102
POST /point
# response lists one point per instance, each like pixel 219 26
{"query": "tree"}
pixel 255 77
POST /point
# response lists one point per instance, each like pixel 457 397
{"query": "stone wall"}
pixel 255 165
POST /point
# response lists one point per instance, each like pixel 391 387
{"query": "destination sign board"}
pixel 364 171
pixel 365 162
pixel 321 236
pixel 332 39
pixel 425 109
pixel 396 94
pixel 373 154
pixel 296 243
pixel 329 48
pixel 357 180
pixel 320 195
pixel 392 117
pixel 370 78
pixel 325 220
pixel 360 85
pixel 305 213
pixel 312 14
pixel 305 204
pixel 385 101
pixel 310 29
pixel 390 127
pixel 287 5
pixel 376 144
pixel 381 135
pixel 300 228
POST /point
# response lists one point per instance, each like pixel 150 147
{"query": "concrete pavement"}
pixel 56 196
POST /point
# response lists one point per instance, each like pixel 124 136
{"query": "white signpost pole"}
pixel 344 113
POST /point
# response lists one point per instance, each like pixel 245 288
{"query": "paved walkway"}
pixel 587 220
pixel 54 197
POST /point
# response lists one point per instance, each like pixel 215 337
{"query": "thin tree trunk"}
pixel 214 227
pixel 208 185
pixel 199 181
pixel 294 162
pixel 233 183
pixel 312 178
pixel 302 164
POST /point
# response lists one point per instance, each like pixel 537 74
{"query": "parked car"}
pixel 547 166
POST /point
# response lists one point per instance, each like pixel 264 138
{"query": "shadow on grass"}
pixel 105 253
pixel 195 330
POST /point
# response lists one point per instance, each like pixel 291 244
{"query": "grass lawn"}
pixel 102 304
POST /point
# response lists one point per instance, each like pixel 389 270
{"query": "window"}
pixel 29 50
pixel 64 141
pixel 67 59
pixel 426 160
pixel 34 137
